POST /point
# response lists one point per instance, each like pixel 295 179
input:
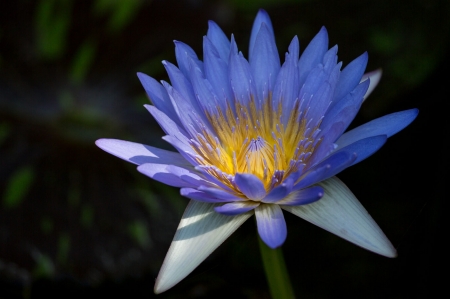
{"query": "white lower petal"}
pixel 374 77
pixel 340 213
pixel 200 232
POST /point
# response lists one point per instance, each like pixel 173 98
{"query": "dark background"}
pixel 75 221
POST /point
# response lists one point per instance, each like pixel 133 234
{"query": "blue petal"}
pixel 181 84
pixel 185 150
pixel 220 194
pixel 203 90
pixel 303 197
pixel 286 86
pixel 326 72
pixel 386 125
pixel 351 75
pixel 186 112
pixel 241 78
pixel 328 136
pixel 199 195
pixel 271 225
pixel 264 62
pixel 250 185
pixel 346 109
pixel 279 192
pixel 168 126
pixel 219 40
pixel 236 208
pixel 184 54
pixel 160 173
pixel 364 148
pixel 140 153
pixel 191 116
pixel 187 175
pixel 158 96
pixel 313 54
pixel 326 169
pixel 216 71
pixel 320 103
pixel 261 17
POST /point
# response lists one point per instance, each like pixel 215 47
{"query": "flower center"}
pixel 251 139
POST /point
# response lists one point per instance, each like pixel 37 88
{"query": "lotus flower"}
pixel 254 137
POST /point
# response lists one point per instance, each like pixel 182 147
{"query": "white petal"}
pixel 200 232
pixel 340 213
pixel 375 77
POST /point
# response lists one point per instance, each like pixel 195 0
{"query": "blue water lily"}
pixel 256 137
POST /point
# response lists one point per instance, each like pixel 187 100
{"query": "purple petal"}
pixel 161 173
pixel 219 40
pixel 264 62
pixel 271 225
pixel 303 196
pixel 236 208
pixel 386 125
pixel 200 232
pixel 250 185
pixel 140 153
pixel 340 213
pixel 261 17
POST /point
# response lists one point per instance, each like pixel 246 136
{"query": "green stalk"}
pixel 276 273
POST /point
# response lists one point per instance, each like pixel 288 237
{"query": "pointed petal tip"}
pixel 323 30
pixel 262 13
pixel 374 77
pixel 200 232
pixel 340 213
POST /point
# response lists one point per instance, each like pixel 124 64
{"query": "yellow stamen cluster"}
pixel 251 139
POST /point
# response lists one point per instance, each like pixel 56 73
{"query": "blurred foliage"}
pixel 120 12
pixel 67 78
pixel 17 187
pixel 52 24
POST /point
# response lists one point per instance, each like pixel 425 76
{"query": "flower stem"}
pixel 276 273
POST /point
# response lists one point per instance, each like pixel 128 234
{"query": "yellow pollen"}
pixel 251 139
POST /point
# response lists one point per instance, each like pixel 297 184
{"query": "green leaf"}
pixel 18 186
